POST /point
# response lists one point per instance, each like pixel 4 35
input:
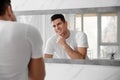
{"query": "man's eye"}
pixel 59 23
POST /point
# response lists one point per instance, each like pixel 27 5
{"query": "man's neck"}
pixel 67 34
pixel 3 18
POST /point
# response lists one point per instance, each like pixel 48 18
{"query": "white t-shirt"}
pixel 76 39
pixel 18 43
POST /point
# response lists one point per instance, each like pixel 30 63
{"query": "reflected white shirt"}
pixel 76 39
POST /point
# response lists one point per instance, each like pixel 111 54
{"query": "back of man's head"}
pixel 58 16
pixel 3 5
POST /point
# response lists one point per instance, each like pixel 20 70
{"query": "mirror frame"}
pixel 70 11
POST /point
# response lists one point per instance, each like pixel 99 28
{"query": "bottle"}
pixel 112 56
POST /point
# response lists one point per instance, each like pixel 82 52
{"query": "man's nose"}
pixel 57 27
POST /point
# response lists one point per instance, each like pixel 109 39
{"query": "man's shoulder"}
pixel 14 24
pixel 77 33
pixel 19 24
pixel 53 37
pixel 28 27
pixel 24 27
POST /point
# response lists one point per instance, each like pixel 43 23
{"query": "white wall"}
pixel 23 5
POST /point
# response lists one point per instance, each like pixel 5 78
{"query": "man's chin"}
pixel 60 34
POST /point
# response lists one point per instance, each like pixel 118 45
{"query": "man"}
pixel 65 44
pixel 20 48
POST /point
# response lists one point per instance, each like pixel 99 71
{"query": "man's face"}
pixel 60 27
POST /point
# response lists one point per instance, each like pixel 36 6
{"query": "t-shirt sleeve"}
pixel 81 39
pixel 49 47
pixel 35 41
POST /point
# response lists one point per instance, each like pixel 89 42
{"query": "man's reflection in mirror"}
pixel 65 44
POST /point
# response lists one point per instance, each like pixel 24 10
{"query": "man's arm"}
pixel 79 53
pixel 36 69
pixel 48 55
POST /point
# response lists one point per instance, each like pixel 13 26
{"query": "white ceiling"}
pixel 23 5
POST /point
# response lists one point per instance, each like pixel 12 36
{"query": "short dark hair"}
pixel 3 5
pixel 57 16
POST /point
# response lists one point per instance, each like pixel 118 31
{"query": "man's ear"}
pixel 9 14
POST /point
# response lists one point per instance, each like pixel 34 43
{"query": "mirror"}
pixel 100 25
